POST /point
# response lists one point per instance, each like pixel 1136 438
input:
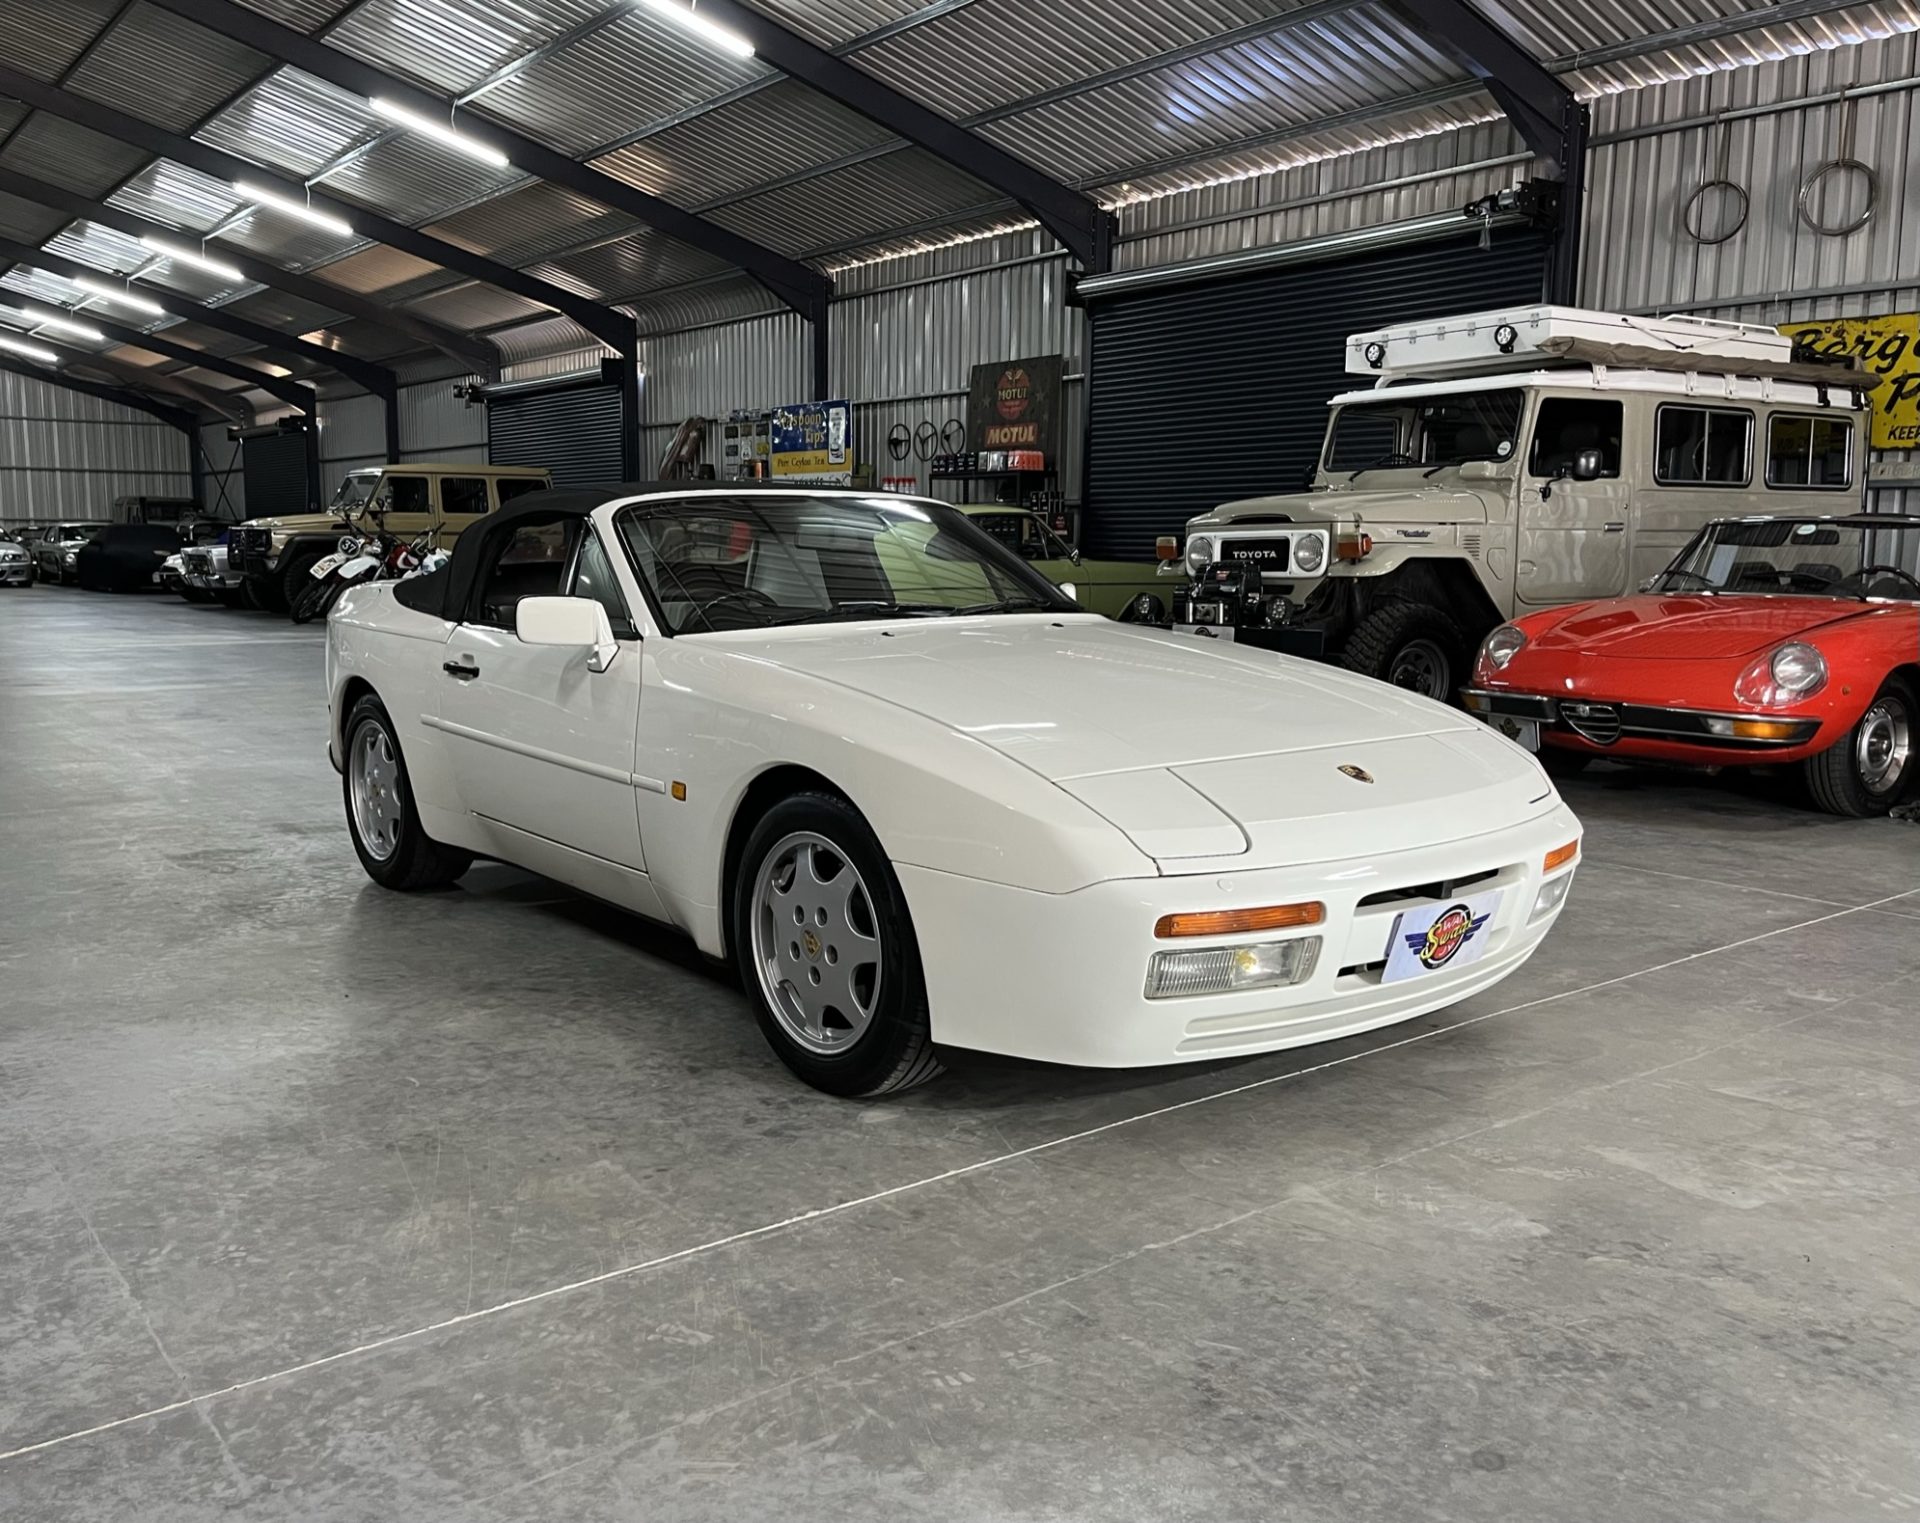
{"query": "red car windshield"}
pixel 1835 558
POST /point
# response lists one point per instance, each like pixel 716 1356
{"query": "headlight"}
pixel 1502 646
pixel 70 556
pixel 1199 554
pixel 1309 553
pixel 1785 675
pixel 1230 970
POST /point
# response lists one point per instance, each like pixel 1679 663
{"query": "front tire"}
pixel 382 817
pixel 295 581
pixel 826 951
pixel 1411 646
pixel 1871 768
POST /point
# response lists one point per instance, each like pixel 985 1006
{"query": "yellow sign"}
pixel 1888 347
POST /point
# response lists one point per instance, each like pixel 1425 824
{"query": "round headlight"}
pixel 1799 669
pixel 1309 553
pixel 1376 353
pixel 1199 554
pixel 1505 337
pixel 1502 646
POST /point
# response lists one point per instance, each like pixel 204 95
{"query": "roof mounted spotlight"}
pixel 1376 353
pixel 1505 337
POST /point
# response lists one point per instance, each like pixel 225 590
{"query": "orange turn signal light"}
pixel 1764 729
pixel 1167 547
pixel 1271 917
pixel 1353 547
pixel 1560 856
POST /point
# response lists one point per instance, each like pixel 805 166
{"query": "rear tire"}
pixel 1872 767
pixel 826 951
pixel 1411 646
pixel 382 818
pixel 314 601
pixel 294 579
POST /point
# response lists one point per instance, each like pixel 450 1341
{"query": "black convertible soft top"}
pixel 448 592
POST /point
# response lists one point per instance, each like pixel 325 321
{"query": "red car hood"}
pixel 1691 628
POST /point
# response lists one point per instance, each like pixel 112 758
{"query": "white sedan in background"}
pixel 919 797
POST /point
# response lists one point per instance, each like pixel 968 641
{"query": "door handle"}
pixel 464 668
pixel 1615 527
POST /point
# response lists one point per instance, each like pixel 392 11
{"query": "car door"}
pixel 463 501
pixel 535 739
pixel 409 505
pixel 1573 531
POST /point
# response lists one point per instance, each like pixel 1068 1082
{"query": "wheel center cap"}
pixel 812 943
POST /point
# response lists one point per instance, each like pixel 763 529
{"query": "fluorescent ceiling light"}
pixel 440 132
pixel 107 292
pixel 193 257
pixel 63 324
pixel 264 197
pixel 31 351
pixel 711 31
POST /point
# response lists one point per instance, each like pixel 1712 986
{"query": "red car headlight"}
pixel 1783 675
pixel 1499 649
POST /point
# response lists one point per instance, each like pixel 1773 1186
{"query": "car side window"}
pixel 463 496
pixel 518 486
pixel 1809 452
pixel 593 578
pixel 1570 426
pixel 529 564
pixel 407 494
pixel 1703 446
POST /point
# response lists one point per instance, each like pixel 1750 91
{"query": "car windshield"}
pixel 354 492
pixel 1806 557
pixel 716 563
pixel 1428 433
pixel 1024 534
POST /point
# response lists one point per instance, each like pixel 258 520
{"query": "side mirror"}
pixel 573 623
pixel 1589 465
pixel 1070 590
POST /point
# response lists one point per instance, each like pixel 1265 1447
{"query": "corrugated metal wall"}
pixel 226 481
pixel 353 432
pixel 437 425
pixel 67 455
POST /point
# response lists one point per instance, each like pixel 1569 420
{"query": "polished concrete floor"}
pixel 321 1203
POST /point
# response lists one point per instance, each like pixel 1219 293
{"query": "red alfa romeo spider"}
pixel 1768 641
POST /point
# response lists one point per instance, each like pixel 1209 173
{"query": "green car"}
pixel 1107 587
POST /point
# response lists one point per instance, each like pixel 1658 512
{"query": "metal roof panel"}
pixel 453 45
pixel 868 198
pixel 44 37
pixel 64 153
pixel 292 122
pixel 534 222
pixel 164 68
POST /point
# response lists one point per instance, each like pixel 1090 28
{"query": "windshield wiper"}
pixel 867 608
pixel 1007 605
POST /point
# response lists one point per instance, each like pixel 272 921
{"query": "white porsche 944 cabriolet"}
pixel 919 797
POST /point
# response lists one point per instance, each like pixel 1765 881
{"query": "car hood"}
pixel 1425 504
pixel 1690 627
pixel 1193 749
pixel 297 523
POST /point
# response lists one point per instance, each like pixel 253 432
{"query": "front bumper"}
pixel 1598 727
pixel 17 573
pixel 1062 977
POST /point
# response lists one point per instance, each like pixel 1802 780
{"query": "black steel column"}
pixel 1563 269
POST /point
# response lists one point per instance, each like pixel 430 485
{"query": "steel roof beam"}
pixel 1081 224
pixel 377 379
pixel 614 329
pixel 802 288
pixel 121 396
pixel 291 392
pixel 456 346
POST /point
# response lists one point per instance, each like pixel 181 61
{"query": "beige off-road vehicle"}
pixel 1515 460
pixel 274 553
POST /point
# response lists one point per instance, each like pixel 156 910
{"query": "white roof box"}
pixel 1486 342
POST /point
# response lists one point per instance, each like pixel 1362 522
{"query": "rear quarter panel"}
pixel 396 651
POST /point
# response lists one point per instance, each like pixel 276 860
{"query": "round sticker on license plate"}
pixel 1442 937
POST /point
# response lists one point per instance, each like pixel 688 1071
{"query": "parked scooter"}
pixel 376 557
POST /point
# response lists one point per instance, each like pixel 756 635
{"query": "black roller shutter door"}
pixel 573 430
pixel 1202 394
pixel 274 467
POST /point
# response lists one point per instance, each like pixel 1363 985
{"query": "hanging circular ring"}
pixel 954 435
pixel 899 441
pixel 1687 219
pixel 926 439
pixel 1820 173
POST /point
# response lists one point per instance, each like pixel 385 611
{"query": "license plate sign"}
pixel 1206 631
pixel 326 565
pixel 1524 733
pixel 1440 937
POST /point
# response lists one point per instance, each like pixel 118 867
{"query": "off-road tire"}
pixel 1388 635
pixel 1833 776
pixel 292 578
pixel 896 1051
pixel 419 861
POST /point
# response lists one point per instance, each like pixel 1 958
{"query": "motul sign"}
pixel 1016 405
